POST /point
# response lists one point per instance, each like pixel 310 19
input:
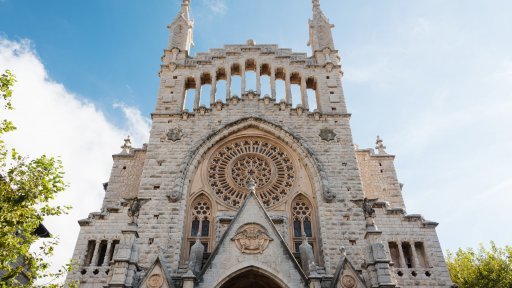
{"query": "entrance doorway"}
pixel 251 279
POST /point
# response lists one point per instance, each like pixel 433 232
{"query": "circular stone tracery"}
pixel 235 162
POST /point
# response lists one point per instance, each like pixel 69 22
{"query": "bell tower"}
pixel 254 184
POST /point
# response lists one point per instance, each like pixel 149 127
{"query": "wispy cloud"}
pixel 138 126
pixel 52 120
pixel 216 6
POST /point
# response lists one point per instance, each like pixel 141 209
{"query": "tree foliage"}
pixel 482 268
pixel 27 187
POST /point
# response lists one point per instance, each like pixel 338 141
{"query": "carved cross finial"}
pixel 127 145
pixel 316 3
pixel 186 2
pixel 251 185
pixel 380 146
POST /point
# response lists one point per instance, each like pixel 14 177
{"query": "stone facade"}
pixel 254 189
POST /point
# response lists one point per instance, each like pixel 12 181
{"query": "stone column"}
pixel 242 74
pixel 96 254
pixel 304 93
pixel 288 87
pixel 273 83
pixel 213 89
pixel 197 97
pixel 107 254
pixel 123 267
pixel 258 79
pixel 415 262
pixel 402 257
pixel 228 83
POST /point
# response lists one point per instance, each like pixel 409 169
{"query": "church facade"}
pixel 238 187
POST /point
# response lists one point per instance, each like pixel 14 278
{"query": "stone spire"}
pixel 320 34
pixel 182 29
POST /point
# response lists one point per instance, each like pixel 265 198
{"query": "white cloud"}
pixel 217 6
pixel 138 125
pixel 54 121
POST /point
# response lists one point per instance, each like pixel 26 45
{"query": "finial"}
pixel 304 238
pixel 251 185
pixel 316 7
pixel 380 146
pixel 343 250
pixel 127 145
pixel 186 2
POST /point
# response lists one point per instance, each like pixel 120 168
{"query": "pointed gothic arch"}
pixel 199 222
pixel 304 221
pixel 312 165
pixel 251 277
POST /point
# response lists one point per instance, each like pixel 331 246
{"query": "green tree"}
pixel 482 268
pixel 27 187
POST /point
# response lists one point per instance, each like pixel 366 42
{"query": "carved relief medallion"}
pixel 155 281
pixel 348 281
pixel 327 134
pixel 235 162
pixel 175 134
pixel 252 239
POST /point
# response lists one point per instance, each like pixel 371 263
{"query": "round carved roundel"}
pixel 155 281
pixel 348 281
pixel 234 163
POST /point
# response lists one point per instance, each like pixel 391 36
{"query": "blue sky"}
pixel 432 78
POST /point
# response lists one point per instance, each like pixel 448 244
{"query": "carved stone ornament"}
pixel 327 134
pixel 348 281
pixel 175 134
pixel 155 281
pixel 268 164
pixel 252 239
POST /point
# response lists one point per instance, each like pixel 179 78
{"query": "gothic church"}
pixel 254 186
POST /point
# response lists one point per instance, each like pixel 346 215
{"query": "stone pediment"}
pixel 346 275
pixel 157 276
pixel 251 241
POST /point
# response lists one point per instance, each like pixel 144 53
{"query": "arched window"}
pixel 302 222
pixel 295 80
pixel 265 85
pixel 280 84
pixel 236 80
pixel 200 222
pixel 312 93
pixel 206 86
pixel 189 94
pixel 220 89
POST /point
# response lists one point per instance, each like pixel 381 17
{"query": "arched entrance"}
pixel 251 278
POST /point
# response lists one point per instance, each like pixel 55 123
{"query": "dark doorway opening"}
pixel 251 279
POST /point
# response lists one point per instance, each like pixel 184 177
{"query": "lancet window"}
pixel 200 221
pixel 302 222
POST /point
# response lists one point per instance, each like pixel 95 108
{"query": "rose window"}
pixel 233 164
